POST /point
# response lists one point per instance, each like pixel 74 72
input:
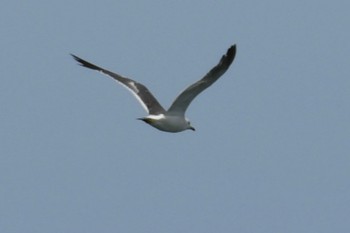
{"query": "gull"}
pixel 171 120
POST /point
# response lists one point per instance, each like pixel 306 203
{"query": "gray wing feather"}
pixel 183 100
pixel 143 95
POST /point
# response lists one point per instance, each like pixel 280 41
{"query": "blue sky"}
pixel 271 150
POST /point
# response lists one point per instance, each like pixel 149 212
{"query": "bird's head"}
pixel 189 126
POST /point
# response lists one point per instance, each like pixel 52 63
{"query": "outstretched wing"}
pixel 142 94
pixel 183 100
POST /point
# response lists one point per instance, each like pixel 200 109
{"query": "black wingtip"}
pixel 228 58
pixel 231 52
pixel 78 59
pixel 84 63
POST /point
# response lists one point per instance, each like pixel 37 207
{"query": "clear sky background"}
pixel 271 150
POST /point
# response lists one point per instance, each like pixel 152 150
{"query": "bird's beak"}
pixel 145 119
pixel 191 128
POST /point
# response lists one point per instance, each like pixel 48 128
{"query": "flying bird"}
pixel 171 120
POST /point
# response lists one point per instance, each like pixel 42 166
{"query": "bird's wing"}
pixel 183 100
pixel 142 94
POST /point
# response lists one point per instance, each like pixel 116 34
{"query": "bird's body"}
pixel 168 123
pixel 173 120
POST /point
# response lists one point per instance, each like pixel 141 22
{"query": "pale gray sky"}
pixel 271 150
